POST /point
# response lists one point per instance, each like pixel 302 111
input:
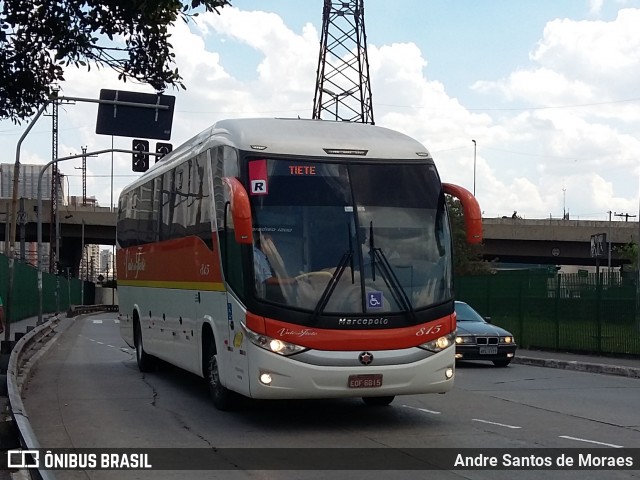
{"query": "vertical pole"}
pixel 557 309
pixel 8 311
pixel 474 167
pixel 23 232
pixel 111 204
pixel 599 313
pixel 84 175
pixel 82 267
pixel 57 257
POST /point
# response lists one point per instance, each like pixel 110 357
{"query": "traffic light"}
pixel 140 160
pixel 162 149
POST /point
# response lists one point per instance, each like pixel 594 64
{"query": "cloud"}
pixel 571 135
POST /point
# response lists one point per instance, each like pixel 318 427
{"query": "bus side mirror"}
pixel 471 211
pixel 240 211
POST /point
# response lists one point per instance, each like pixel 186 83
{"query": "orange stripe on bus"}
pixel 350 339
pixel 181 261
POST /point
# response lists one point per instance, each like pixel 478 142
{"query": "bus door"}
pixel 236 365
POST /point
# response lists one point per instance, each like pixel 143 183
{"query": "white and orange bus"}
pixel 288 258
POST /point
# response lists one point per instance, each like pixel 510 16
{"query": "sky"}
pixel 547 89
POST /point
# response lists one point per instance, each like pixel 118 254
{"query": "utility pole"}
pixel 55 180
pixel 343 65
pixel 625 215
pixel 84 176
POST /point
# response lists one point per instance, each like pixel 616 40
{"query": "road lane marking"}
pixel 494 423
pixel 590 441
pixel 97 321
pixel 100 343
pixel 422 409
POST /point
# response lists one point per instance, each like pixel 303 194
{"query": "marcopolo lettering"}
pixel 347 322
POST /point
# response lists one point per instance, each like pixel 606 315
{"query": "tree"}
pixel 628 252
pixel 467 258
pixel 38 38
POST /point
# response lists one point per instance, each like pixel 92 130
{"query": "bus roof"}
pixel 315 137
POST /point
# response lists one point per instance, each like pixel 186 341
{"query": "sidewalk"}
pixel 627 367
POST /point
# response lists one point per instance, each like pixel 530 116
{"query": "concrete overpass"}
pixel 99 229
pixel 509 240
pixel 557 242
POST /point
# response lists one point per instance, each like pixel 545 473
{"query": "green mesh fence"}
pixel 24 303
pixel 583 312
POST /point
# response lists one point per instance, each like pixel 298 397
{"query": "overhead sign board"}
pixel 145 120
pixel 598 244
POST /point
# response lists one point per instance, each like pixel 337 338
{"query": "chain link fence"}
pixel 58 292
pixel 582 312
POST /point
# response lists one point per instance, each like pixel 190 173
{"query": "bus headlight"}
pixel 441 343
pixel 274 345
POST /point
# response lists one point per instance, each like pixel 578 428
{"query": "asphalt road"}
pixel 87 392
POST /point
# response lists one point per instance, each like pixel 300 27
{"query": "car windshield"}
pixel 350 238
pixel 464 313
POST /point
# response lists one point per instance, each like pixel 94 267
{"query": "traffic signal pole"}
pixel 39 212
pixel 14 198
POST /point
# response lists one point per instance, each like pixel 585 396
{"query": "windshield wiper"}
pixel 389 276
pixel 347 258
pixel 331 286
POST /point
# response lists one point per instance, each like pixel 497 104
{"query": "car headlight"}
pixel 440 344
pixel 460 339
pixel 274 345
pixel 507 340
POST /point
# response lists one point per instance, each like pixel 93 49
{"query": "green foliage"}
pixel 628 252
pixel 467 258
pixel 38 38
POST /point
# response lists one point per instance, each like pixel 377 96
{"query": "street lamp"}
pixel 474 167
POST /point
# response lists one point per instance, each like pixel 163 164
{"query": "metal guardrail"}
pixel 28 349
pixel 82 309
pixel 23 351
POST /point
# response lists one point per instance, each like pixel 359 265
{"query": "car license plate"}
pixel 373 380
pixel 488 350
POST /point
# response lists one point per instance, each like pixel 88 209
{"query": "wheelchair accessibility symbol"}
pixel 374 300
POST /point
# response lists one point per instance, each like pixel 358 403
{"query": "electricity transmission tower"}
pixel 343 90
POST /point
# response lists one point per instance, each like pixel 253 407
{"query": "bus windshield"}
pixel 349 238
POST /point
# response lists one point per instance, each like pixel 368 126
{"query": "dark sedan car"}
pixel 477 339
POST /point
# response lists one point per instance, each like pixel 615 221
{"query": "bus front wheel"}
pixel 378 401
pixel 222 397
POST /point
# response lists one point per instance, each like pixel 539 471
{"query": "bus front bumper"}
pixel 274 376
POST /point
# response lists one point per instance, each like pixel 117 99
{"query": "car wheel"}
pixel 222 397
pixel 502 363
pixel 378 401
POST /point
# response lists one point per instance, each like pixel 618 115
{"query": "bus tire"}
pixel 378 401
pixel 144 360
pixel 221 396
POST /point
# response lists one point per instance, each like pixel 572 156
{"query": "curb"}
pixel 27 350
pixel 606 369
